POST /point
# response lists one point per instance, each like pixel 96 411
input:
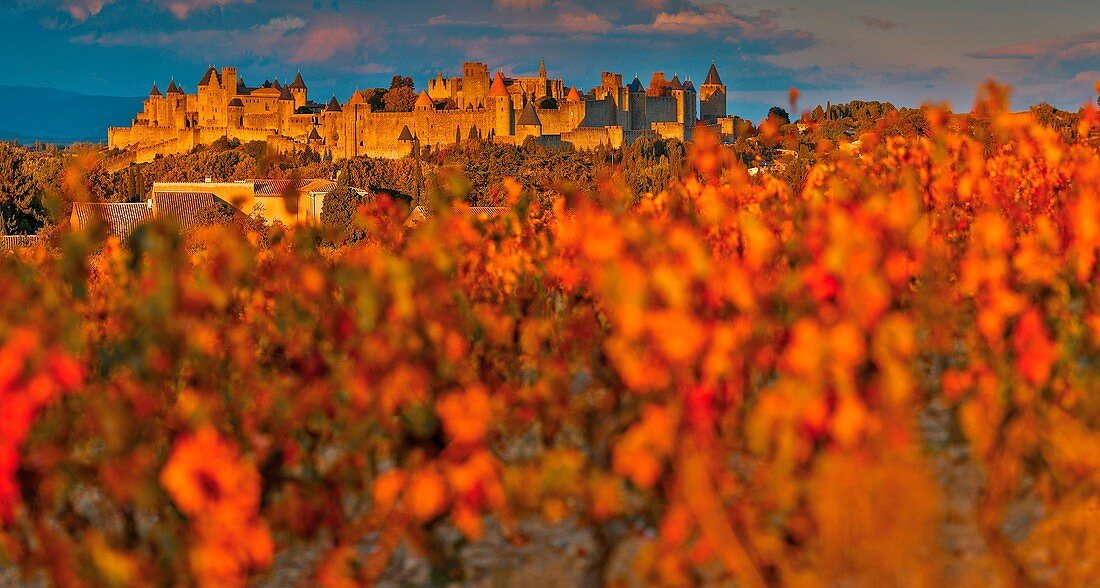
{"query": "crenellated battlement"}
pixel 474 104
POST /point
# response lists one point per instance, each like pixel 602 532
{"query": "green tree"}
pixel 779 113
pixel 401 97
pixel 20 196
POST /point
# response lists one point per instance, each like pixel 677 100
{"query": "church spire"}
pixel 542 67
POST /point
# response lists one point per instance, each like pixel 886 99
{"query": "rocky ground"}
pixel 564 555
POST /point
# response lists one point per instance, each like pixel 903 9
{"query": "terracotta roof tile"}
pixel 119 219
pixel 13 242
pixel 185 209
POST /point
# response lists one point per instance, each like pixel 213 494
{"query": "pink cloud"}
pixel 581 21
pixel 324 41
pixel 713 18
pixel 83 9
pixel 520 4
pixel 182 8
pixel 1080 46
pixel 882 24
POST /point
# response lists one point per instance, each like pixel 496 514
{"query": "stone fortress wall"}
pixel 493 107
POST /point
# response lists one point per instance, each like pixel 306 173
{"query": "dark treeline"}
pixel 31 180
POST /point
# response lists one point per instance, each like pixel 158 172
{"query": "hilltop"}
pixel 29 114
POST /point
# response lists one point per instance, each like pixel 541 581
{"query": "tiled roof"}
pixel 421 214
pixel 574 95
pixel 333 105
pixel 117 218
pixel 155 91
pixel 313 136
pixel 636 85
pixel 236 102
pixel 185 209
pixel 405 134
pixel 675 84
pixel 173 88
pixel 277 187
pixel 13 242
pixel 688 86
pixel 285 94
pixel 298 84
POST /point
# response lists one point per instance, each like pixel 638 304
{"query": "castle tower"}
pixel 209 99
pixel 634 117
pixel 299 91
pixel 676 90
pixel 712 96
pixel 439 88
pixel 285 105
pixel 528 124
pixel 175 104
pixel 691 112
pixel 501 104
pixel 475 83
pixel 235 113
pixel 229 82
pixel 154 106
pixel 333 117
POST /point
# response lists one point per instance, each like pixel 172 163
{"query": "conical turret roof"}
pixel 155 91
pixel 405 134
pixel 712 76
pixel 313 136
pixel 636 85
pixel 333 105
pixel 689 86
pixel 276 84
pixel 284 94
pixel 424 101
pixel 298 84
pixel 574 95
pixel 173 88
pixel 529 116
pixel 675 84
pixel 498 88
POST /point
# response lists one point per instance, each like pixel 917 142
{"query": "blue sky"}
pixel 903 51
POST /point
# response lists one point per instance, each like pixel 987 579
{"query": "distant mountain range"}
pixel 30 114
